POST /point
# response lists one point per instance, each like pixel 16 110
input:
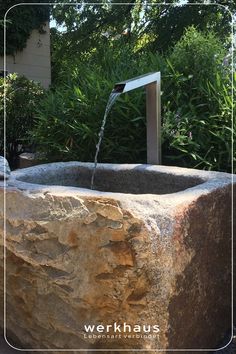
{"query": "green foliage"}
pixel 196 106
pixel 69 118
pixel 22 97
pixel 199 55
pixel 199 133
pixel 197 126
pixel 21 20
pixel 167 23
pixel 162 22
pixel 87 24
pixel 88 28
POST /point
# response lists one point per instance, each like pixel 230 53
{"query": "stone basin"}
pixel 128 179
pixel 149 250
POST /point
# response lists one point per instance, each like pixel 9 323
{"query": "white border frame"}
pixel 4 198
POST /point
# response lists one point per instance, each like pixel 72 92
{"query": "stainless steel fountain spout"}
pixel 152 82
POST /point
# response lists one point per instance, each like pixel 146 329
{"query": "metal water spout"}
pixel 152 82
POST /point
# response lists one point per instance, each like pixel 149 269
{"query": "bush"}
pixel 22 97
pixel 198 113
pixel 200 137
pixel 196 107
pixel 199 55
pixel 69 118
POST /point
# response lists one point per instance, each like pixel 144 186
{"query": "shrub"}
pixel 196 107
pixel 22 97
pixel 197 128
pixel 69 118
pixel 200 137
pixel 199 55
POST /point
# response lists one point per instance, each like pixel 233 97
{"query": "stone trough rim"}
pixel 211 180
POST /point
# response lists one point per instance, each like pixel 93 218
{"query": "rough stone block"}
pixel 4 168
pixel 158 254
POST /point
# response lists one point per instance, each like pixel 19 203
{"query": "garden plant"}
pixel 196 105
pixel 100 45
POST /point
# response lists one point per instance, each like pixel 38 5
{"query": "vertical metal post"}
pixel 153 111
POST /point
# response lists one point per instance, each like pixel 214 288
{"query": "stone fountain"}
pixel 140 262
pixel 151 245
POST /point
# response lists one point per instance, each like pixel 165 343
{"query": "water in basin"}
pixel 136 180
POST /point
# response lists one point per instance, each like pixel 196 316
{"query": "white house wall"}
pixel 34 61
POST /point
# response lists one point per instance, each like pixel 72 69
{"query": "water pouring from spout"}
pixel 152 82
pixel 113 97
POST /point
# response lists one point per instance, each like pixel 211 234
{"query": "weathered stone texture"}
pixel 203 288
pixel 75 259
pixel 4 168
pixel 72 262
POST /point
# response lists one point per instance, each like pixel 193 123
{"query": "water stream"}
pixel 112 98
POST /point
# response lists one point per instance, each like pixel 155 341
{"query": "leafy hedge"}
pixel 22 98
pixel 196 106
